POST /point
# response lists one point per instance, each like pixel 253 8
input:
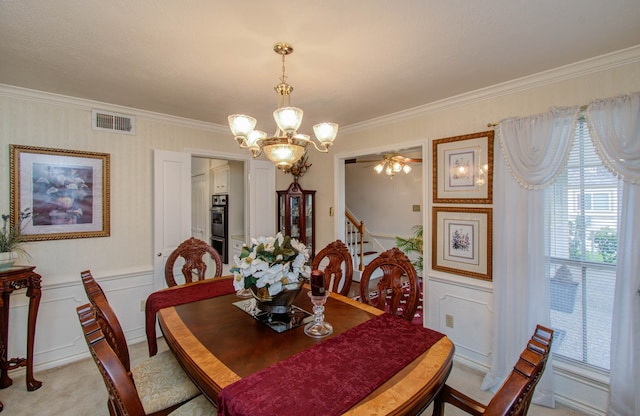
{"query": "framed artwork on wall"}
pixel 461 241
pixel 463 169
pixel 67 192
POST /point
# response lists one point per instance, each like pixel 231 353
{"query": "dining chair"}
pixel 398 290
pixel 337 265
pixel 514 397
pixel 160 381
pixel 193 252
pixel 123 394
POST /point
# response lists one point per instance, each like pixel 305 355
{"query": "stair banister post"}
pixel 361 230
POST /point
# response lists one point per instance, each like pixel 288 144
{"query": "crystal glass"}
pixel 318 328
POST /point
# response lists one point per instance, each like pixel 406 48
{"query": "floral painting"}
pixel 62 194
pixel 461 241
pixel 67 191
pixel 462 244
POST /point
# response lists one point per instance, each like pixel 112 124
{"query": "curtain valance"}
pixel 614 124
pixel 536 148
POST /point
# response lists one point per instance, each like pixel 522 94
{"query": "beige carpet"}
pixel 77 390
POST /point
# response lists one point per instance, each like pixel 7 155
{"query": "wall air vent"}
pixel 113 122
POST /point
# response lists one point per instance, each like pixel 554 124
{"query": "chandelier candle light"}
pixel 286 146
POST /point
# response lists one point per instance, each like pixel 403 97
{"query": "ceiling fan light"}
pixel 241 125
pixel 288 119
pixel 396 166
pixel 389 171
pixel 326 132
pixel 406 169
pixel 378 168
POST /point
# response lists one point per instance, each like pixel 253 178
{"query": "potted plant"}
pixel 12 240
pixel 413 245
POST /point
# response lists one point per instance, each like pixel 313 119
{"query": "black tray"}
pixel 279 322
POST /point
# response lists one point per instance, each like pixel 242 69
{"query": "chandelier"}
pixel 393 163
pixel 286 146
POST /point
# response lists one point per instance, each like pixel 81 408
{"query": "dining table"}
pixel 223 341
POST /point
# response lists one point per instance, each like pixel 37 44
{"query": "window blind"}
pixel 584 215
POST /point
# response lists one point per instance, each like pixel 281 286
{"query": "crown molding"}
pixel 574 70
pixel 84 104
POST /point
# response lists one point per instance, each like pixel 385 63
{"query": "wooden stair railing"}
pixel 354 234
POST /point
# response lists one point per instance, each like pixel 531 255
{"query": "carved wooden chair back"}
pixel 123 396
pixel 337 265
pixel 193 252
pixel 398 284
pixel 106 318
pixel 514 397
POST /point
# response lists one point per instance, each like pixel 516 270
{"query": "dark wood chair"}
pixel 159 395
pixel 337 265
pixel 398 287
pixel 514 397
pixel 122 391
pixel 193 252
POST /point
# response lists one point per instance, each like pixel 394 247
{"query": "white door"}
pixel 199 207
pixel 171 207
pixel 262 198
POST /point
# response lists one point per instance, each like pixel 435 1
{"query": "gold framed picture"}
pixel 462 240
pixel 463 169
pixel 67 192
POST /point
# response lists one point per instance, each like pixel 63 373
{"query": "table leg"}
pixel 33 292
pixel 5 380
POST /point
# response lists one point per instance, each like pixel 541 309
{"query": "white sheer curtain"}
pixel 535 150
pixel 615 130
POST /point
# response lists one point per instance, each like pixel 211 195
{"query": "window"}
pixel 584 216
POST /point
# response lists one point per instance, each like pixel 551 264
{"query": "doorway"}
pixel 389 204
pixel 218 186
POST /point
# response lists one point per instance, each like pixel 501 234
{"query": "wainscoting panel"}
pixel 465 315
pixel 58 337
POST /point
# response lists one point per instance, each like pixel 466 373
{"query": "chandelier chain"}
pixel 283 78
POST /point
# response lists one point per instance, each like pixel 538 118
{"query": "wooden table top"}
pixel 217 343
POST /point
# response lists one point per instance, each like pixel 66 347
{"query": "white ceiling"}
pixel 354 60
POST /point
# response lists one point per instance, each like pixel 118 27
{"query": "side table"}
pixel 14 278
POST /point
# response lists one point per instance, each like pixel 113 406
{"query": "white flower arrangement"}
pixel 272 264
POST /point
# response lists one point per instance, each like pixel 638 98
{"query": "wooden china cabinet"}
pixel 297 215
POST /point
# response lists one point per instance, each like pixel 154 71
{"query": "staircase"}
pixel 362 248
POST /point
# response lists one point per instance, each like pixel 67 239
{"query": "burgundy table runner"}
pixel 178 295
pixel 329 378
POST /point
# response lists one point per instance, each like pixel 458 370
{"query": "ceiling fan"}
pixel 390 164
